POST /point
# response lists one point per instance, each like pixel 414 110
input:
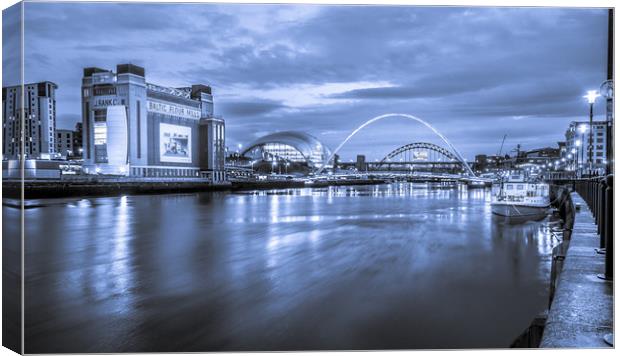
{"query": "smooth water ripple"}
pixel 369 267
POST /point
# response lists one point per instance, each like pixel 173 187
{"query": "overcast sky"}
pixel 473 73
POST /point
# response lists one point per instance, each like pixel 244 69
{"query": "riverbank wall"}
pixel 564 209
pixel 48 189
pixel 62 189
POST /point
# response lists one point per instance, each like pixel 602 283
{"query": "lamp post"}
pixel 591 97
pixel 577 144
pixel 607 91
pixel 582 130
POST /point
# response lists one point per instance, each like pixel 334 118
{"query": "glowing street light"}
pixel 591 96
pixel 582 129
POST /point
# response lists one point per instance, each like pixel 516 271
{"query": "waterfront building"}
pixel 540 156
pixel 77 141
pixel 139 129
pixel 288 146
pixel 535 158
pixel 39 120
pixel 488 163
pixel 64 143
pixel 69 142
pixel 335 161
pixel 562 148
pixel 360 163
pixel 578 142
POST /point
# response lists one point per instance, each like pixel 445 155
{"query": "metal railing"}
pixel 598 193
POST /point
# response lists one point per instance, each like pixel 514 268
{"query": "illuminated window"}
pixel 101 133
pixel 100 130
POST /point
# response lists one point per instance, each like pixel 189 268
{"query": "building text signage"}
pixel 103 102
pixel 174 110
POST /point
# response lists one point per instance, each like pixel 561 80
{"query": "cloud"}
pixel 474 72
pixel 11 45
pixel 249 108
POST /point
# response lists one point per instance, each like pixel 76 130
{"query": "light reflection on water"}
pixel 369 267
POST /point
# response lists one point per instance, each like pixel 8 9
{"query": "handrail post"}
pixel 590 185
pixel 609 227
pixel 595 200
pixel 590 194
pixel 601 210
pixel 599 204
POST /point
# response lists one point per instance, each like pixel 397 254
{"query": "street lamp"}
pixel 582 129
pixel 607 91
pixel 591 97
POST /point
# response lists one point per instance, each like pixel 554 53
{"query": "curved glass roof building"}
pixel 290 146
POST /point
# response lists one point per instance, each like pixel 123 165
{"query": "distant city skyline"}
pixel 473 73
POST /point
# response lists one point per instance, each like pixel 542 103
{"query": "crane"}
pixel 502 146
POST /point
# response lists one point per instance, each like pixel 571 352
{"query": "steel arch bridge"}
pixel 420 152
pixel 419 156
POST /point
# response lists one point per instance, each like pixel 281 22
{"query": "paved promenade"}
pixel 582 311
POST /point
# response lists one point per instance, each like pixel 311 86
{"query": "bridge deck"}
pixel 582 310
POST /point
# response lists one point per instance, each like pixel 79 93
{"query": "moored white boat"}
pixel 516 196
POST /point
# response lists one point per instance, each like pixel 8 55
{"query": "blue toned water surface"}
pixel 393 266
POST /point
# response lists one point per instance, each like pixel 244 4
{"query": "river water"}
pixel 395 266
